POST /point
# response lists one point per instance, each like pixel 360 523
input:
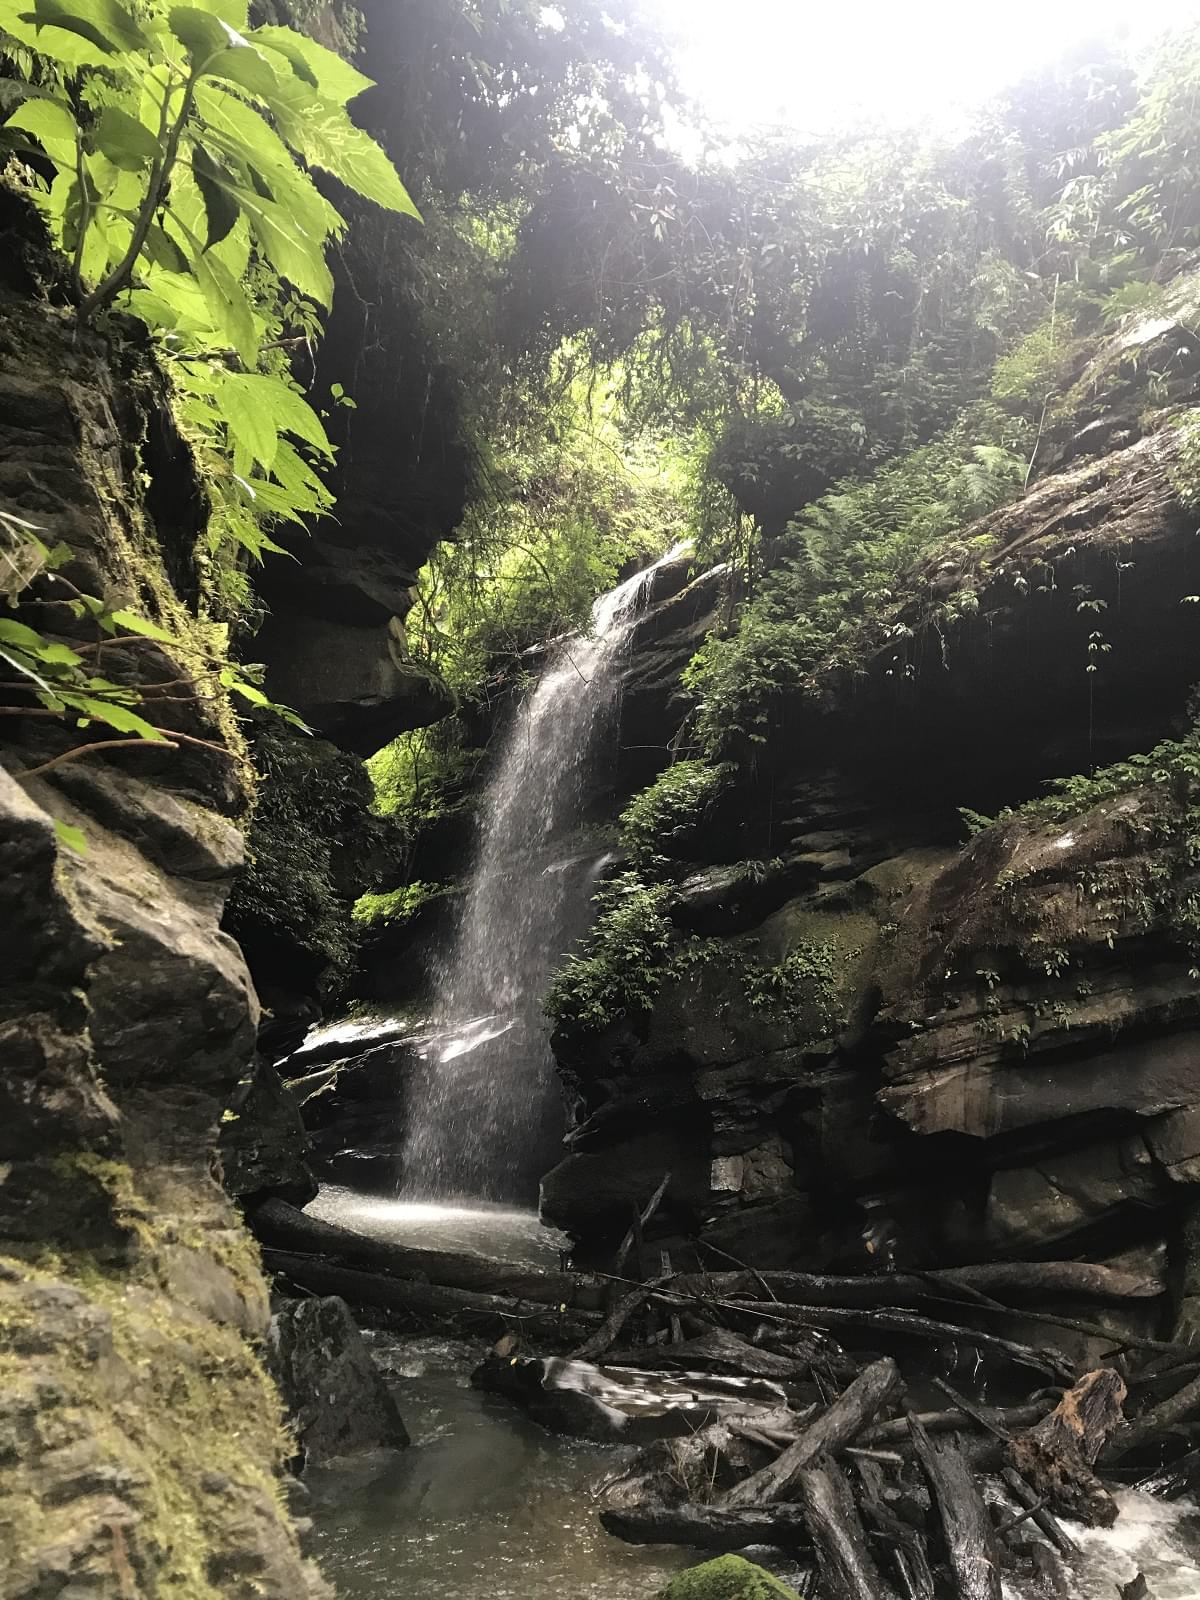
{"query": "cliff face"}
pixel 140 1440
pixel 873 1041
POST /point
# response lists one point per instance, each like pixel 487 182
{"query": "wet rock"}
pixel 264 1147
pixel 1066 1193
pixel 622 1405
pixel 335 1395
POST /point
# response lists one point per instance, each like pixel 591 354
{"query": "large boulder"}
pixel 335 1395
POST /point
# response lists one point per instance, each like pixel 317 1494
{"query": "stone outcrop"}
pixel 337 1399
pixel 140 1437
pixel 985 1050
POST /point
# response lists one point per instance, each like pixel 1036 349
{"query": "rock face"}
pixel 139 1432
pixel 970 1052
pixel 335 1395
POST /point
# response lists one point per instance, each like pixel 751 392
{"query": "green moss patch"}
pixel 727 1578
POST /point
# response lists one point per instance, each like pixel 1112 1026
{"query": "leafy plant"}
pixel 662 818
pixel 630 954
pixel 176 139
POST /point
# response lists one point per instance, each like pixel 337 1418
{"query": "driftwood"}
pixel 907 1546
pixel 429 1302
pixel 971 1549
pixel 846 1565
pixel 889 1319
pixel 709 1527
pixel 1158 1420
pixel 606 1334
pixel 837 1427
pixel 1042 1519
pixel 1021 1279
pixel 1007 1419
pixel 282 1227
pixel 641 1220
pixel 1057 1456
pixel 720 1349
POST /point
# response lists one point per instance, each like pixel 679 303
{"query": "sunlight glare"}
pixel 813 68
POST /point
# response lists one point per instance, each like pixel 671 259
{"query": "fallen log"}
pixel 835 1428
pixel 280 1226
pixel 1057 1456
pixel 907 1546
pixel 891 1319
pixel 426 1302
pixel 1030 1280
pixel 709 1527
pixel 847 1568
pixel 719 1349
pixel 605 1335
pixel 1007 1418
pixel 1153 1423
pixel 971 1549
pixel 1043 1520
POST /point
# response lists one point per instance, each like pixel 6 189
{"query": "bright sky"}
pixel 812 66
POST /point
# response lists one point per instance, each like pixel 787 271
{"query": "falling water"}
pixel 484 1112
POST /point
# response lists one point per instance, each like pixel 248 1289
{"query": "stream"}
pixel 486 1505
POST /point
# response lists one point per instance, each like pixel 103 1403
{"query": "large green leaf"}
pixel 227 305
pixel 221 210
pixel 126 142
pixel 327 138
pixel 69 49
pixel 52 125
pixel 247 68
pixel 288 410
pixel 335 80
pixel 103 20
pixel 200 32
pixel 248 140
pixel 293 253
pixel 249 420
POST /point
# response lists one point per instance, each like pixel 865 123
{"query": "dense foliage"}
pixel 167 148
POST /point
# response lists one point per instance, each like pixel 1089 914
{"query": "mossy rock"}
pixel 727 1578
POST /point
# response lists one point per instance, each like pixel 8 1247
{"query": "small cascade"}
pixel 484 1112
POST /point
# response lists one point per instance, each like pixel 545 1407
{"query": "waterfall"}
pixel 484 1111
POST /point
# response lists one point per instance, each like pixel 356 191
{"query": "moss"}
pixel 727 1578
pixel 167 1404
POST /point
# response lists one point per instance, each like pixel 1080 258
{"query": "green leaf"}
pixel 249 420
pixel 60 45
pixel 21 636
pixel 200 32
pixel 227 305
pixel 288 410
pixel 327 138
pixel 14 90
pixel 130 622
pixel 120 718
pixel 221 210
pixel 74 838
pixel 245 67
pixel 248 692
pixel 163 252
pixel 293 253
pixel 52 125
pixel 108 19
pixel 335 80
pixel 127 143
pixel 234 12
